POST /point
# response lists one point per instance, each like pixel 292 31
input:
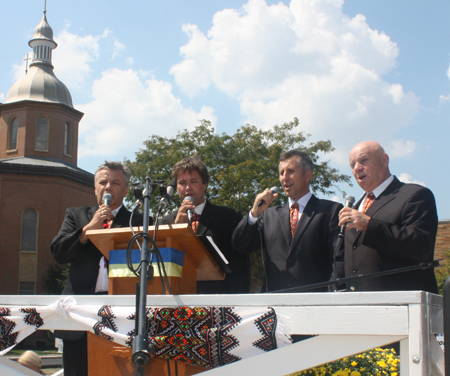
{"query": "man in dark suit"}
pixel 72 246
pixel 192 178
pixel 394 225
pixel 297 254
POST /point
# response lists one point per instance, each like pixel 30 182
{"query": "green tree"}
pixel 240 165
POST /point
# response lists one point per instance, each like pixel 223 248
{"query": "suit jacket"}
pixel 303 259
pixel 219 223
pixel 83 258
pixel 401 232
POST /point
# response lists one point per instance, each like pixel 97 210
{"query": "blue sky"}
pixel 349 70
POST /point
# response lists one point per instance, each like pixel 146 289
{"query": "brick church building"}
pixel 39 177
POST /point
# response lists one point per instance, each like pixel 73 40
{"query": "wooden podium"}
pixel 109 358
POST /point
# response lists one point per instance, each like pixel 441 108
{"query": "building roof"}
pixel 40 83
pixel 46 167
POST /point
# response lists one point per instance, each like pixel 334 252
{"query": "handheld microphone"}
pixel 349 201
pixel 273 190
pixel 107 199
pixel 189 211
pixel 164 203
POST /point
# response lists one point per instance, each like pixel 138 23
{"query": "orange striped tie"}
pixel 195 219
pixel 293 211
pixel 367 202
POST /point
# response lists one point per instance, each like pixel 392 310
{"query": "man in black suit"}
pixel 394 228
pixel 192 178
pixel 298 255
pixel 72 246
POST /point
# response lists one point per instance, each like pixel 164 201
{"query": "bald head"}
pixel 370 165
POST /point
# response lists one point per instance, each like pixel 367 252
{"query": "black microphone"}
pixel 189 211
pixel 273 190
pixel 164 203
pixel 349 201
pixel 140 192
pixel 107 199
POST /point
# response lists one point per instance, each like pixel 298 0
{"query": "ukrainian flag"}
pixel 172 258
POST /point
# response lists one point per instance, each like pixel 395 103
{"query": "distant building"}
pixel 39 177
pixel 442 239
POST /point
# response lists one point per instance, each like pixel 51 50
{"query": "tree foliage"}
pixel 240 165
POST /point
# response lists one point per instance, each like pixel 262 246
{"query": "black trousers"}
pixel 75 360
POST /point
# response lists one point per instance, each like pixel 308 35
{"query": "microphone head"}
pixel 107 198
pixel 274 190
pixel 171 186
pixel 188 198
pixel 349 200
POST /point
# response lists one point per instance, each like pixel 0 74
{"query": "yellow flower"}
pixel 355 373
pixel 381 363
pixel 353 364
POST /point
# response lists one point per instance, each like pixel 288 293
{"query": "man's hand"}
pixel 101 215
pixel 354 219
pixel 268 198
pixel 182 216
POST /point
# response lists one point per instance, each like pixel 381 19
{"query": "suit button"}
pixel 354 271
pixel 354 247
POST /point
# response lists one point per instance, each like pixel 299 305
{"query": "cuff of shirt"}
pixel 251 219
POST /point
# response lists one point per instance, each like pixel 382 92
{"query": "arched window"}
pixel 28 252
pixel 12 133
pixel 68 139
pixel 42 134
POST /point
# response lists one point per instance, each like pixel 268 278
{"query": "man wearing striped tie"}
pixel 392 226
pixel 299 238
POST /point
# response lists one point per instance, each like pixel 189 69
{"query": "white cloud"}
pixel 306 60
pixel 444 99
pixel 406 178
pixel 118 48
pixel 126 110
pixel 401 148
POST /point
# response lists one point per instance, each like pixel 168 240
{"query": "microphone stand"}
pixel 142 349
pixel 338 281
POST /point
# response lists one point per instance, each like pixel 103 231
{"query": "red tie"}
pixel 293 211
pixel 195 219
pixel 108 224
pixel 367 202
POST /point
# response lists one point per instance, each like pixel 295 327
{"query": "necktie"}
pixel 293 211
pixel 108 224
pixel 367 202
pixel 195 219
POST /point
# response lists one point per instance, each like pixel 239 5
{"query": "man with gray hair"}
pixel 299 238
pixel 72 246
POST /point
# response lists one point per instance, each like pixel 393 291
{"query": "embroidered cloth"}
pixel 202 336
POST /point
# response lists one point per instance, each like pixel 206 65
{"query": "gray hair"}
pixel 303 161
pixel 115 166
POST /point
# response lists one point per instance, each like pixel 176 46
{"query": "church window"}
pixel 42 134
pixel 68 139
pixel 28 252
pixel 12 133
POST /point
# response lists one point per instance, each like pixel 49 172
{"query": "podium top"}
pixel 179 236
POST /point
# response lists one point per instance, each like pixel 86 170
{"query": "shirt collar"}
pixel 115 211
pixel 199 209
pixel 381 188
pixel 302 202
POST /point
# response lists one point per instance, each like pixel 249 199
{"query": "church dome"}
pixel 40 83
pixel 44 31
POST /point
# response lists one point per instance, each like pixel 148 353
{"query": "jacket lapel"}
pixel 121 219
pixel 285 223
pixel 206 219
pixel 385 197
